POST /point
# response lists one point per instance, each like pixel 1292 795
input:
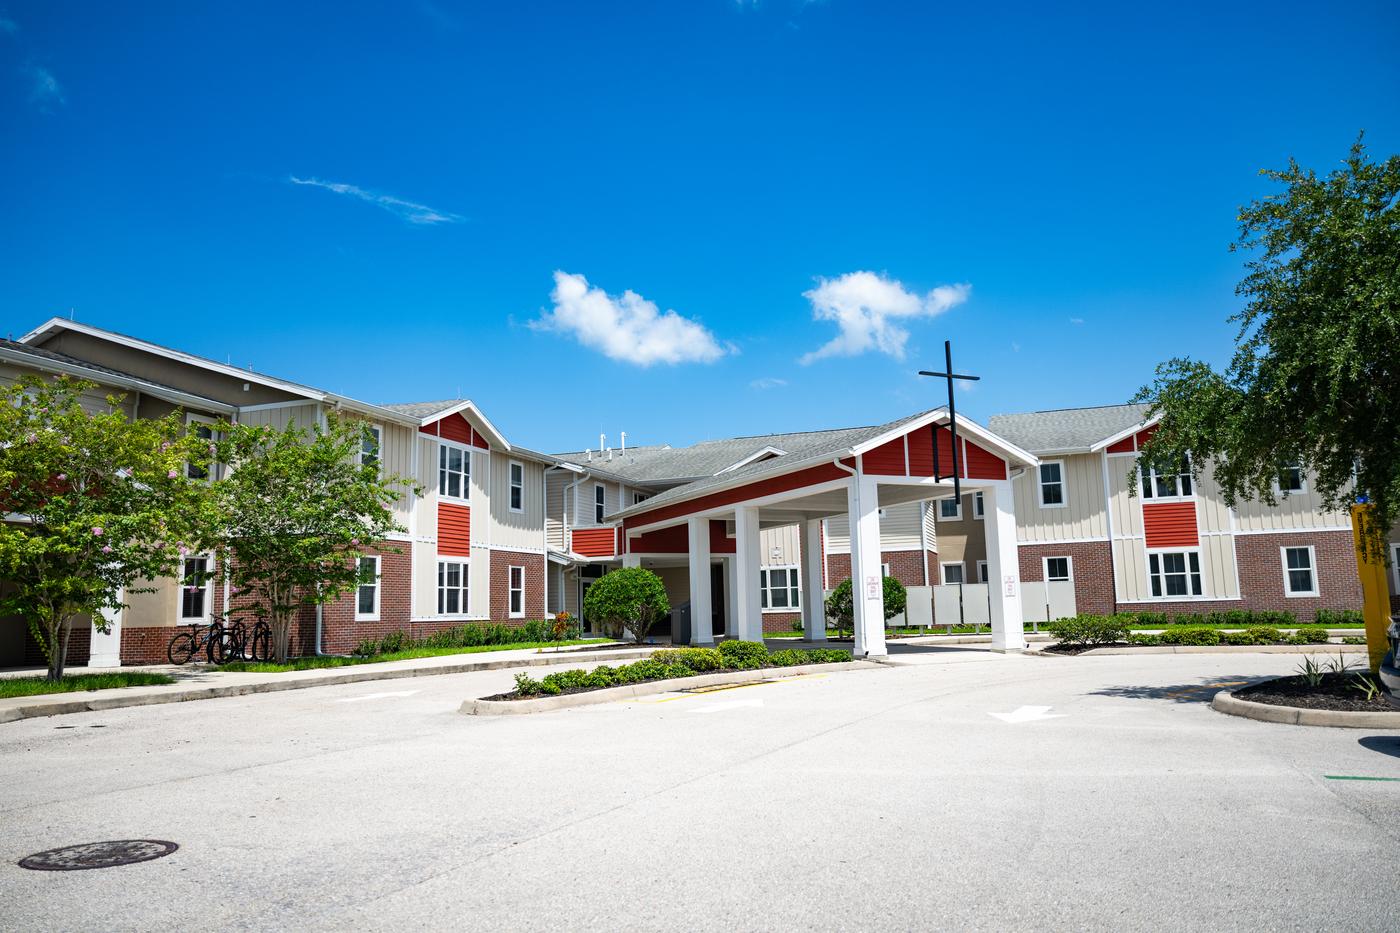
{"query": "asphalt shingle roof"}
pixel 1065 428
pixel 424 409
pixel 96 369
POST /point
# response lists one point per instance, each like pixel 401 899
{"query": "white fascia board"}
pixel 1124 434
pixel 468 406
pixel 190 359
pixel 174 396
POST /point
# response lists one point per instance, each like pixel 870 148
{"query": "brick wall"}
pixel 340 633
pixel 1092 570
pixel 79 644
pixel 501 561
pixel 905 566
pixel 780 621
pixel 1261 572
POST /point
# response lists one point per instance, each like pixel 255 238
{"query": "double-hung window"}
pixel 1157 485
pixel 1052 484
pixel 1291 479
pixel 452 587
pixel 517 592
pixel 194 589
pixel 779 588
pixel 1299 571
pixel 950 510
pixel 639 497
pixel 952 573
pixel 1057 569
pixel 979 506
pixel 202 428
pixel 1174 573
pixel 369 445
pixel 367 593
pixel 981 571
pixel 454 471
pixel 517 486
pixel 599 500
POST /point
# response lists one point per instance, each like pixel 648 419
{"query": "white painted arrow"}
pixel 722 707
pixel 378 696
pixel 1028 714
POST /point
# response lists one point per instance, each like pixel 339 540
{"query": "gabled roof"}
pixel 425 413
pixel 1067 430
pixel 52 361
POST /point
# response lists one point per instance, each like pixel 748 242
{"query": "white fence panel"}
pixel 1046 602
pixel 961 604
pixel 919 606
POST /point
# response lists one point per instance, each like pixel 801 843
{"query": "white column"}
pixel 868 587
pixel 1003 568
pixel 731 598
pixel 106 650
pixel 746 561
pixel 700 615
pixel 813 610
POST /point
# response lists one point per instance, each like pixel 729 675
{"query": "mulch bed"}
pixel 572 690
pixel 1336 692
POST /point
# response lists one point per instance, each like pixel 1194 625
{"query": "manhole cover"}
pixel 98 855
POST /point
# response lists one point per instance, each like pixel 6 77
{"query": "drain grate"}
pixel 98 855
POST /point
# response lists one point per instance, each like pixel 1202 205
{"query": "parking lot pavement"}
pixel 964 790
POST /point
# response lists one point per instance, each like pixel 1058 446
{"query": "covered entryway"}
pixel 854 472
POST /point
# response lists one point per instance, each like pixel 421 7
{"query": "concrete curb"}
pixel 117 698
pixel 1226 702
pixel 609 694
pixel 1223 649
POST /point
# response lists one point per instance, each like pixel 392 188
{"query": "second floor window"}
pixel 1290 479
pixel 517 487
pixel 203 429
pixel 1052 484
pixel 369 446
pixel 1166 485
pixel 194 592
pixel 952 573
pixel 949 510
pixel 599 494
pixel 979 507
pixel 454 472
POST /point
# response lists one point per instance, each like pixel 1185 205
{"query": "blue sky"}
pixel 402 201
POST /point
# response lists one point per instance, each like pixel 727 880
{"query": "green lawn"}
pixel 36 686
pixel 315 663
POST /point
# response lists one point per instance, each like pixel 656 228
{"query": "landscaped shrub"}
pixel 1353 640
pixel 1191 635
pixel 840 605
pixel 743 655
pixel 1190 618
pixel 1340 618
pixel 1264 635
pixel 791 657
pixel 1310 635
pixel 1278 618
pixel 629 598
pixel 1155 619
pixel 525 685
pixel 1147 639
pixel 699 660
pixel 1086 630
pixel 1238 638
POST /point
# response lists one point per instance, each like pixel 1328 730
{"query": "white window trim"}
pixel 982 572
pixel 1302 481
pixel 1166 597
pixel 943 571
pixel 956 517
pixel 378 430
pixel 208 592
pixel 1069 565
pixel 765 583
pixel 1040 487
pixel 1149 475
pixel 1395 563
pixel 466 496
pixel 511 590
pixel 192 418
pixel 465 588
pixel 1312 570
pixel 511 486
pixel 378 590
pixel 979 506
pixel 597 488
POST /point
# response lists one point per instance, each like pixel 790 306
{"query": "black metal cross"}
pixel 949 375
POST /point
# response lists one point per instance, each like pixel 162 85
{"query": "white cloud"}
pixel 866 307
pixel 626 328
pixel 44 89
pixel 768 382
pixel 408 210
pixel 1076 320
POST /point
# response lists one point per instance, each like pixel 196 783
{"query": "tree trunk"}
pixel 281 634
pixel 58 657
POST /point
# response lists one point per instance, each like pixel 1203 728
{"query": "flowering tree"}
pixel 302 508
pixel 101 504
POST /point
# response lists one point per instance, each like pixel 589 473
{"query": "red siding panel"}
pixel 454 530
pixel 887 459
pixel 809 477
pixel 456 428
pixel 1125 446
pixel 1144 435
pixel 921 452
pixel 594 542
pixel 1170 524
pixel 676 540
pixel 983 464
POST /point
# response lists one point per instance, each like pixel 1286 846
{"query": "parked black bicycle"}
pixel 222 643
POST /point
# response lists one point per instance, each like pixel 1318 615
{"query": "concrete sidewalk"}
pixel 201 683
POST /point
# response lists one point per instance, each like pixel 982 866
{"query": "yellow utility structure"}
pixel 1370 567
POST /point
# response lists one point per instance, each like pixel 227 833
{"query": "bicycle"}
pixel 222 643
pixel 185 645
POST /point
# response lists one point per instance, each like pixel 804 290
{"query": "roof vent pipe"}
pixel 622 451
pixel 602 442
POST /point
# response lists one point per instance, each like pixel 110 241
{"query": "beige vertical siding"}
pixel 1302 510
pixel 583 516
pixel 159 607
pixel 93 400
pixel 1127 510
pixel 899 530
pixel 516 529
pixel 930 525
pixel 479 598
pixel 554 507
pixel 425 559
pixel 1218 578
pixel 1083 515
pixel 425 521
pixel 1212 514
pixel 781 546
pixel 303 416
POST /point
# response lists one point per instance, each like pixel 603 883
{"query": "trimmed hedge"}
pixel 468 635
pixel 673 663
pixel 1088 631
pixel 1340 618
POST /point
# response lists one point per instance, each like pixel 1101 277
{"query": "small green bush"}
pixel 1264 635
pixel 525 685
pixel 699 660
pixel 1148 639
pixel 744 655
pixel 1340 618
pixel 1191 635
pixel 1154 619
pixel 1310 635
pixel 1238 638
pixel 1087 630
pixel 792 657
pixel 1353 640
